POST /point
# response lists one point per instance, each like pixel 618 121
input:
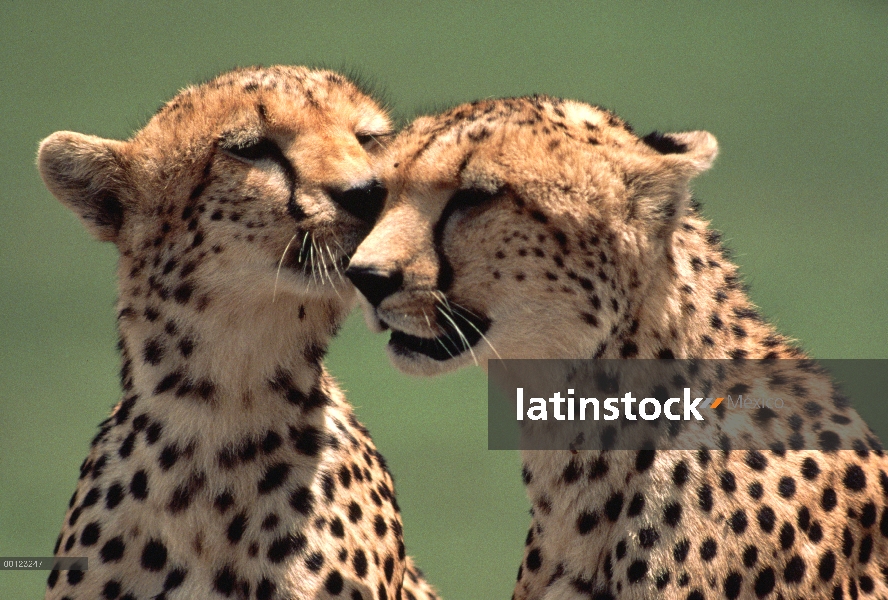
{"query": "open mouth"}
pixel 462 330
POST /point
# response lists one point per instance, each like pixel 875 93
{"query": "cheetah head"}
pixel 517 228
pixel 258 180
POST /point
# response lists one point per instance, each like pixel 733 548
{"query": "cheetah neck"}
pixel 231 354
pixel 699 309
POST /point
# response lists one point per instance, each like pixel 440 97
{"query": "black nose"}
pixel 363 202
pixel 374 284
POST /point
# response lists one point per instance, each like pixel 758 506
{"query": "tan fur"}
pixel 558 233
pixel 233 467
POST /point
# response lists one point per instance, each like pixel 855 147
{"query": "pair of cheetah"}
pixel 518 228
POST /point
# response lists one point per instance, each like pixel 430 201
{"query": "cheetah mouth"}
pixel 462 331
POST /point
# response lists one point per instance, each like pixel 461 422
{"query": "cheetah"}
pixel 233 466
pixel 542 228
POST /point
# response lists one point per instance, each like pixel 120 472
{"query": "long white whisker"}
pixel 462 336
pixel 280 264
pixel 473 326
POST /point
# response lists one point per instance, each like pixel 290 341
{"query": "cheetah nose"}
pixel 364 202
pixel 376 285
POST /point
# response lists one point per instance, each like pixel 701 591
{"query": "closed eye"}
pixel 262 148
pixel 471 197
pixel 370 141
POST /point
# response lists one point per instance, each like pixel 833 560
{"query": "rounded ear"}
pixel 658 184
pixel 698 150
pixel 87 174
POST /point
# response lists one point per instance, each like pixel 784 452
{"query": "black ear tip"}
pixel 664 143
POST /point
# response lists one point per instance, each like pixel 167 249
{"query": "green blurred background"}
pixel 795 92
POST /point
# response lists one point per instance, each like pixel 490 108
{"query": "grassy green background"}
pixel 795 92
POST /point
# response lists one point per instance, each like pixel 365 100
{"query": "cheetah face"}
pixel 513 228
pixel 259 180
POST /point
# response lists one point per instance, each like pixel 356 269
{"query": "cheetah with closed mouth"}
pixel 542 228
pixel 233 467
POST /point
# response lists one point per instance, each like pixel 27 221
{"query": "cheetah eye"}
pixel 370 141
pixel 472 197
pixel 262 148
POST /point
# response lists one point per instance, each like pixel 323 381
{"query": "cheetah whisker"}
pixel 462 336
pixel 473 326
pixel 280 264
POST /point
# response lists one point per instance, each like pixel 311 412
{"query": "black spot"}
pixel 786 487
pixel 756 460
pixel 766 519
pixel 829 440
pixel 672 514
pixel 307 441
pixel 223 501
pixel 183 495
pixel 154 555
pixel 829 500
pixel 225 581
pixel 708 549
pixel 636 505
pixel 750 556
pixel 168 382
pixel 680 473
pixel 111 589
pixel 629 349
pixel 827 566
pixel 810 469
pixel 764 583
pixel 534 560
pixel 586 522
pixel 285 546
pixel 139 485
pixel 680 551
pixel 637 571
pixel 648 537
pixel 174 579
pixel 168 457
pixel 804 518
pixel 738 522
pixel 113 550
pixel 302 500
pixel 613 507
pixel 153 351
pixel 644 459
pixel 275 476
pixel 113 496
pixel 334 583
pixel 704 497
pixel 855 478
pixel 338 529
pixel 354 512
pixel 866 548
pixel 359 562
pixel 732 585
pixel 237 527
pixel 787 536
pixel 90 534
pixel 572 471
pixel 728 482
pixel 380 526
pixel 75 577
pixel 847 542
pixel 795 570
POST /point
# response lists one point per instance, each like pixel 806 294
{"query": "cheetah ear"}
pixel 690 152
pixel 86 173
pixel 659 183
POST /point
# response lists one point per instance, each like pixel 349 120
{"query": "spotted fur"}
pixel 233 467
pixel 542 228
